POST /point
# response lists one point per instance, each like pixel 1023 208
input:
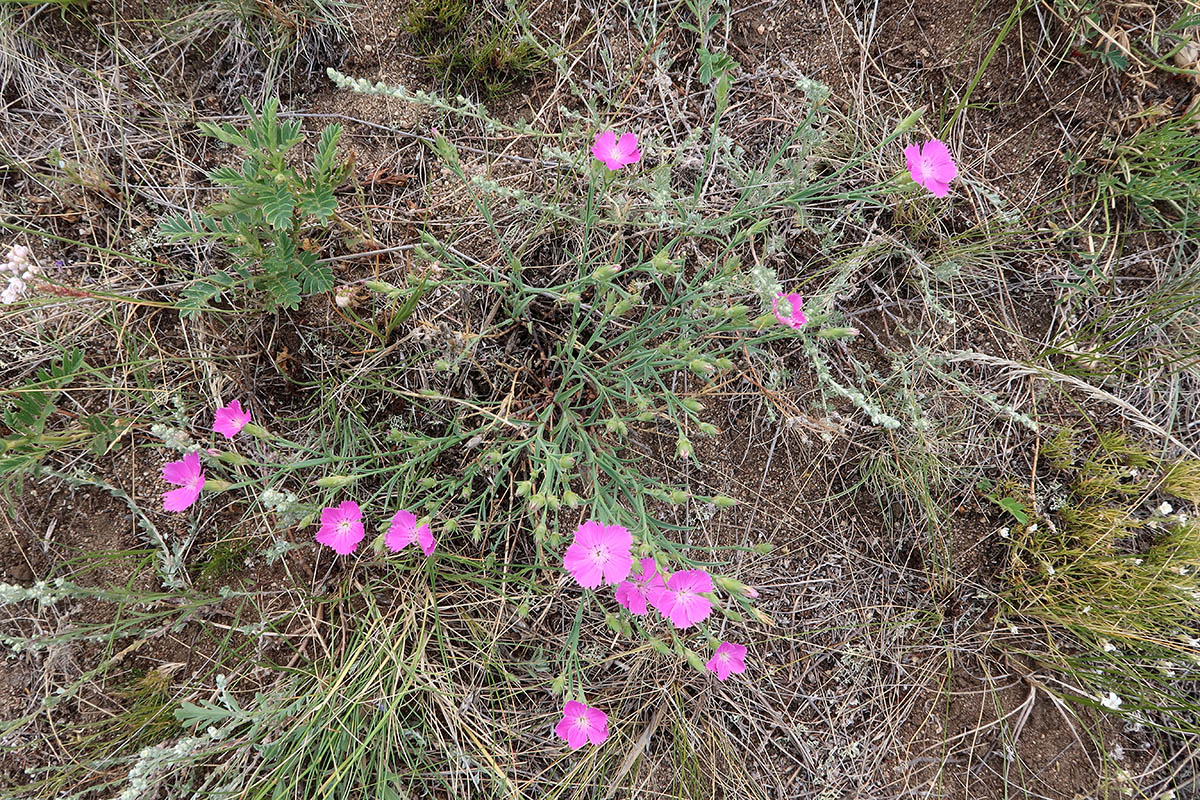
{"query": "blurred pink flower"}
pixel 599 554
pixel 186 474
pixel 230 420
pixel 404 531
pixel 728 659
pixel 616 154
pixel 931 166
pixel 341 527
pixel 582 724
pixel 681 600
pixel 794 318
pixel 633 594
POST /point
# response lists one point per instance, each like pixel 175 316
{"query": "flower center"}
pixel 615 153
pixel 925 166
pixel 683 595
pixel 582 722
pixel 343 527
pixel 600 554
pixel 723 658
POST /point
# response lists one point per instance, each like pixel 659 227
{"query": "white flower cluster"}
pixel 19 270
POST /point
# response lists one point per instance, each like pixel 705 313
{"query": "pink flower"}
pixel 582 724
pixel 404 531
pixel 616 154
pixel 186 474
pixel 634 594
pixel 341 527
pixel 230 420
pixel 728 659
pixel 681 601
pixel 599 554
pixel 931 166
pixel 794 318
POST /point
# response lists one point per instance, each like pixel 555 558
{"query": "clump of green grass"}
pixel 467 43
pixel 1115 570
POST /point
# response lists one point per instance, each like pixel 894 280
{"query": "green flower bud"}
pixel 660 646
pixel 606 273
pixel 524 488
pixel 695 661
pixel 557 685
pixel 677 497
pixel 683 447
pixel 450 525
pixel 335 481
pixel 427 482
pixel 616 426
pixel 724 363
pixel 552 502
pixel 695 406
pixel 537 502
pixel 707 430
pixel 237 459
pixel 837 333
pixel 258 431
pixel 566 461
pixel 523 609
pixel 721 501
pixel 763 548
pixel 571 499
pixel 216 485
pixel 701 367
pixel 540 531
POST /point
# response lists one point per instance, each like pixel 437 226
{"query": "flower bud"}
pixel 606 273
pixel 427 482
pixel 707 429
pixel 701 367
pixel 677 497
pixel 216 485
pixel 335 481
pixel 692 405
pixel 721 501
pixel 570 499
pixel 683 447
pixel 237 459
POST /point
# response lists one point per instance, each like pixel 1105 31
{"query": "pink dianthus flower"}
pixel 634 594
pixel 616 153
pixel 404 531
pixel 230 420
pixel 186 474
pixel 932 166
pixel 794 318
pixel 682 600
pixel 599 554
pixel 582 724
pixel 728 659
pixel 341 527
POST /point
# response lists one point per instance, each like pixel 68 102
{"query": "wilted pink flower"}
pixel 681 600
pixel 728 659
pixel 793 317
pixel 616 154
pixel 931 166
pixel 582 724
pixel 230 420
pixel 599 554
pixel 186 474
pixel 634 594
pixel 404 531
pixel 341 527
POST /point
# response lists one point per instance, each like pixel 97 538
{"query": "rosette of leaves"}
pixel 270 205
